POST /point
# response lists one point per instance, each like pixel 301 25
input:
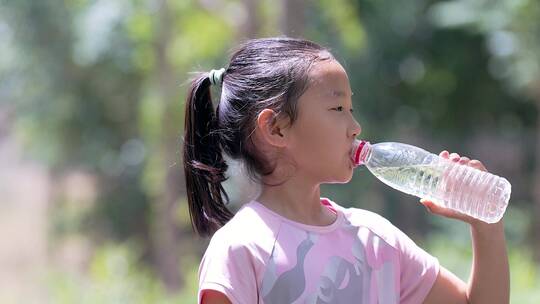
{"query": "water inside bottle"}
pixel 427 180
pixel 420 180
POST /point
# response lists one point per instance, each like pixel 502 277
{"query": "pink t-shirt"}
pixel 262 257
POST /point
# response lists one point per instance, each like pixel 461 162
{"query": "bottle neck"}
pixel 362 152
pixel 365 153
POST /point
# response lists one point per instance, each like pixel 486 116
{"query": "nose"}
pixel 355 129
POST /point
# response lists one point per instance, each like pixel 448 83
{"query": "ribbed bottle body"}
pixel 420 173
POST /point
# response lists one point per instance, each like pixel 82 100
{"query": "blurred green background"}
pixel 92 193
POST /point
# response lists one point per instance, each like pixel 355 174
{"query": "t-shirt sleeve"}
pixel 228 268
pixel 419 270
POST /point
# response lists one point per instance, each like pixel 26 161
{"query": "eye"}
pixel 340 109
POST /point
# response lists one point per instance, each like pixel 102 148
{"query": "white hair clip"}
pixel 216 76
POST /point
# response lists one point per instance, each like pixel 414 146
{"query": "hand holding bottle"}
pixel 446 212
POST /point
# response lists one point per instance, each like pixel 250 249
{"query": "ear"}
pixel 272 129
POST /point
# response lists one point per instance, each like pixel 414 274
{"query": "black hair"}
pixel 262 73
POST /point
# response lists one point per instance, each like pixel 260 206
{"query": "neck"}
pixel 297 200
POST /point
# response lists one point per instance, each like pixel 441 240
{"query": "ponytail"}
pixel 204 166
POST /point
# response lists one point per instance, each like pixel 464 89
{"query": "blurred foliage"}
pixel 98 87
pixel 524 272
pixel 116 276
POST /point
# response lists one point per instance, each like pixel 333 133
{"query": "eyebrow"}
pixel 340 93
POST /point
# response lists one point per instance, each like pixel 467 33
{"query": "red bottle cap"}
pixel 357 156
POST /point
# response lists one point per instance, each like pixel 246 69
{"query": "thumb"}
pixel 435 208
pixel 428 204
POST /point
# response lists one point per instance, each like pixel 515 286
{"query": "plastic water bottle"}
pixel 418 172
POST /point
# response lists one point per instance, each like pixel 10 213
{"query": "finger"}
pixel 464 160
pixel 477 164
pixel 439 210
pixel 432 207
pixel 454 157
pixel 427 204
pixel 444 154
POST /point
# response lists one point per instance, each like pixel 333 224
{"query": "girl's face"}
pixel 320 139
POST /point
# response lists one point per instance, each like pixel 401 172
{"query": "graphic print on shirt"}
pixel 290 285
pixel 342 280
pixel 346 271
pixel 385 282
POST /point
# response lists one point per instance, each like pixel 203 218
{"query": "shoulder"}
pixel 372 223
pixel 236 256
pixel 247 232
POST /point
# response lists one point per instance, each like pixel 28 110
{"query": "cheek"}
pixel 315 150
pixel 315 138
pixel 306 147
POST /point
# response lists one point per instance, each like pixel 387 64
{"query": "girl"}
pixel 286 112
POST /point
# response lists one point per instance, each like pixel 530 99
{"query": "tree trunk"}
pixel 164 226
pixel 250 28
pixel 536 183
pixel 292 17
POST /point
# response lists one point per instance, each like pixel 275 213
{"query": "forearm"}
pixel 490 275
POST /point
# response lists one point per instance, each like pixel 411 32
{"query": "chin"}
pixel 348 179
pixel 343 179
pixel 349 175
